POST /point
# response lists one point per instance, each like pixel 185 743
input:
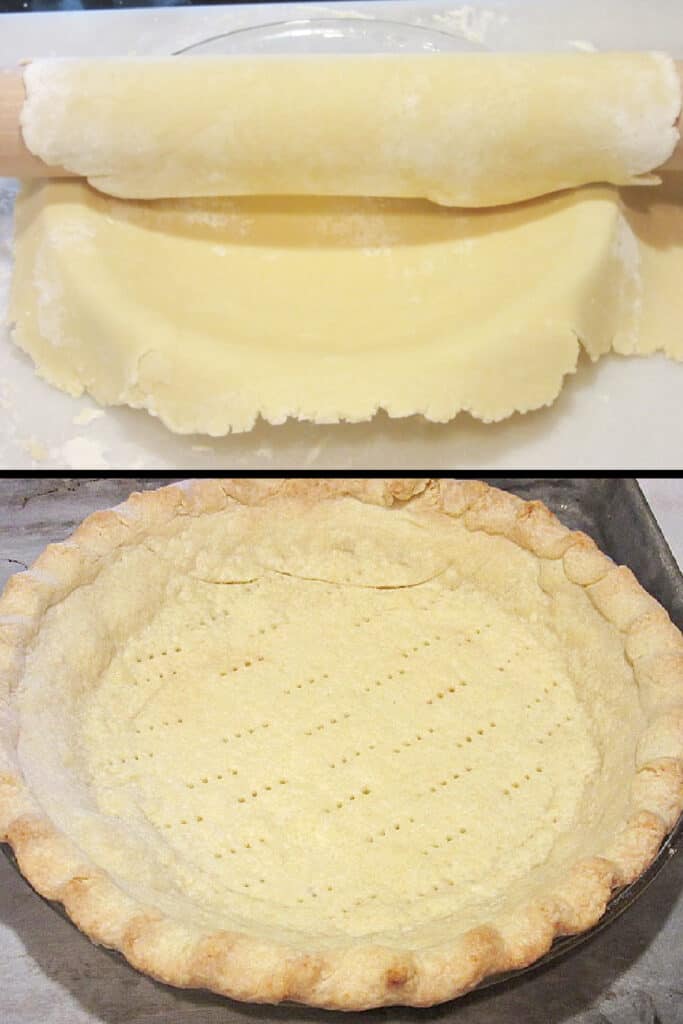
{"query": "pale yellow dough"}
pixel 465 130
pixel 211 312
pixel 656 217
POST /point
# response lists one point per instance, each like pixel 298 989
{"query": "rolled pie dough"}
pixel 211 311
pixel 463 130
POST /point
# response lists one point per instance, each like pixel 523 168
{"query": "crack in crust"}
pixel 367 975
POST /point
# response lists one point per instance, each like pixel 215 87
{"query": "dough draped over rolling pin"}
pixel 459 129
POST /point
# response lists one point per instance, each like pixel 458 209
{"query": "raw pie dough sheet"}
pixel 211 311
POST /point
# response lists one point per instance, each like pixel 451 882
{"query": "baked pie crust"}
pixel 351 743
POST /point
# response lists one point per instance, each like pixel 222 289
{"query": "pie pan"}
pixel 571 899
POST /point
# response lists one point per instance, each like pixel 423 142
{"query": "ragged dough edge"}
pixel 222 424
pixel 141 394
pixel 367 975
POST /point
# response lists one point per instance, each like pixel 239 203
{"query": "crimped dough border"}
pixel 364 976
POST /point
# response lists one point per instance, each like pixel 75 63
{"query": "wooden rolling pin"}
pixel 16 161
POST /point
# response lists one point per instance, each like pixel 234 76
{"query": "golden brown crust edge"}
pixel 365 976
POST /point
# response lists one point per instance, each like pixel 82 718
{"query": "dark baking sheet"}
pixel 615 513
